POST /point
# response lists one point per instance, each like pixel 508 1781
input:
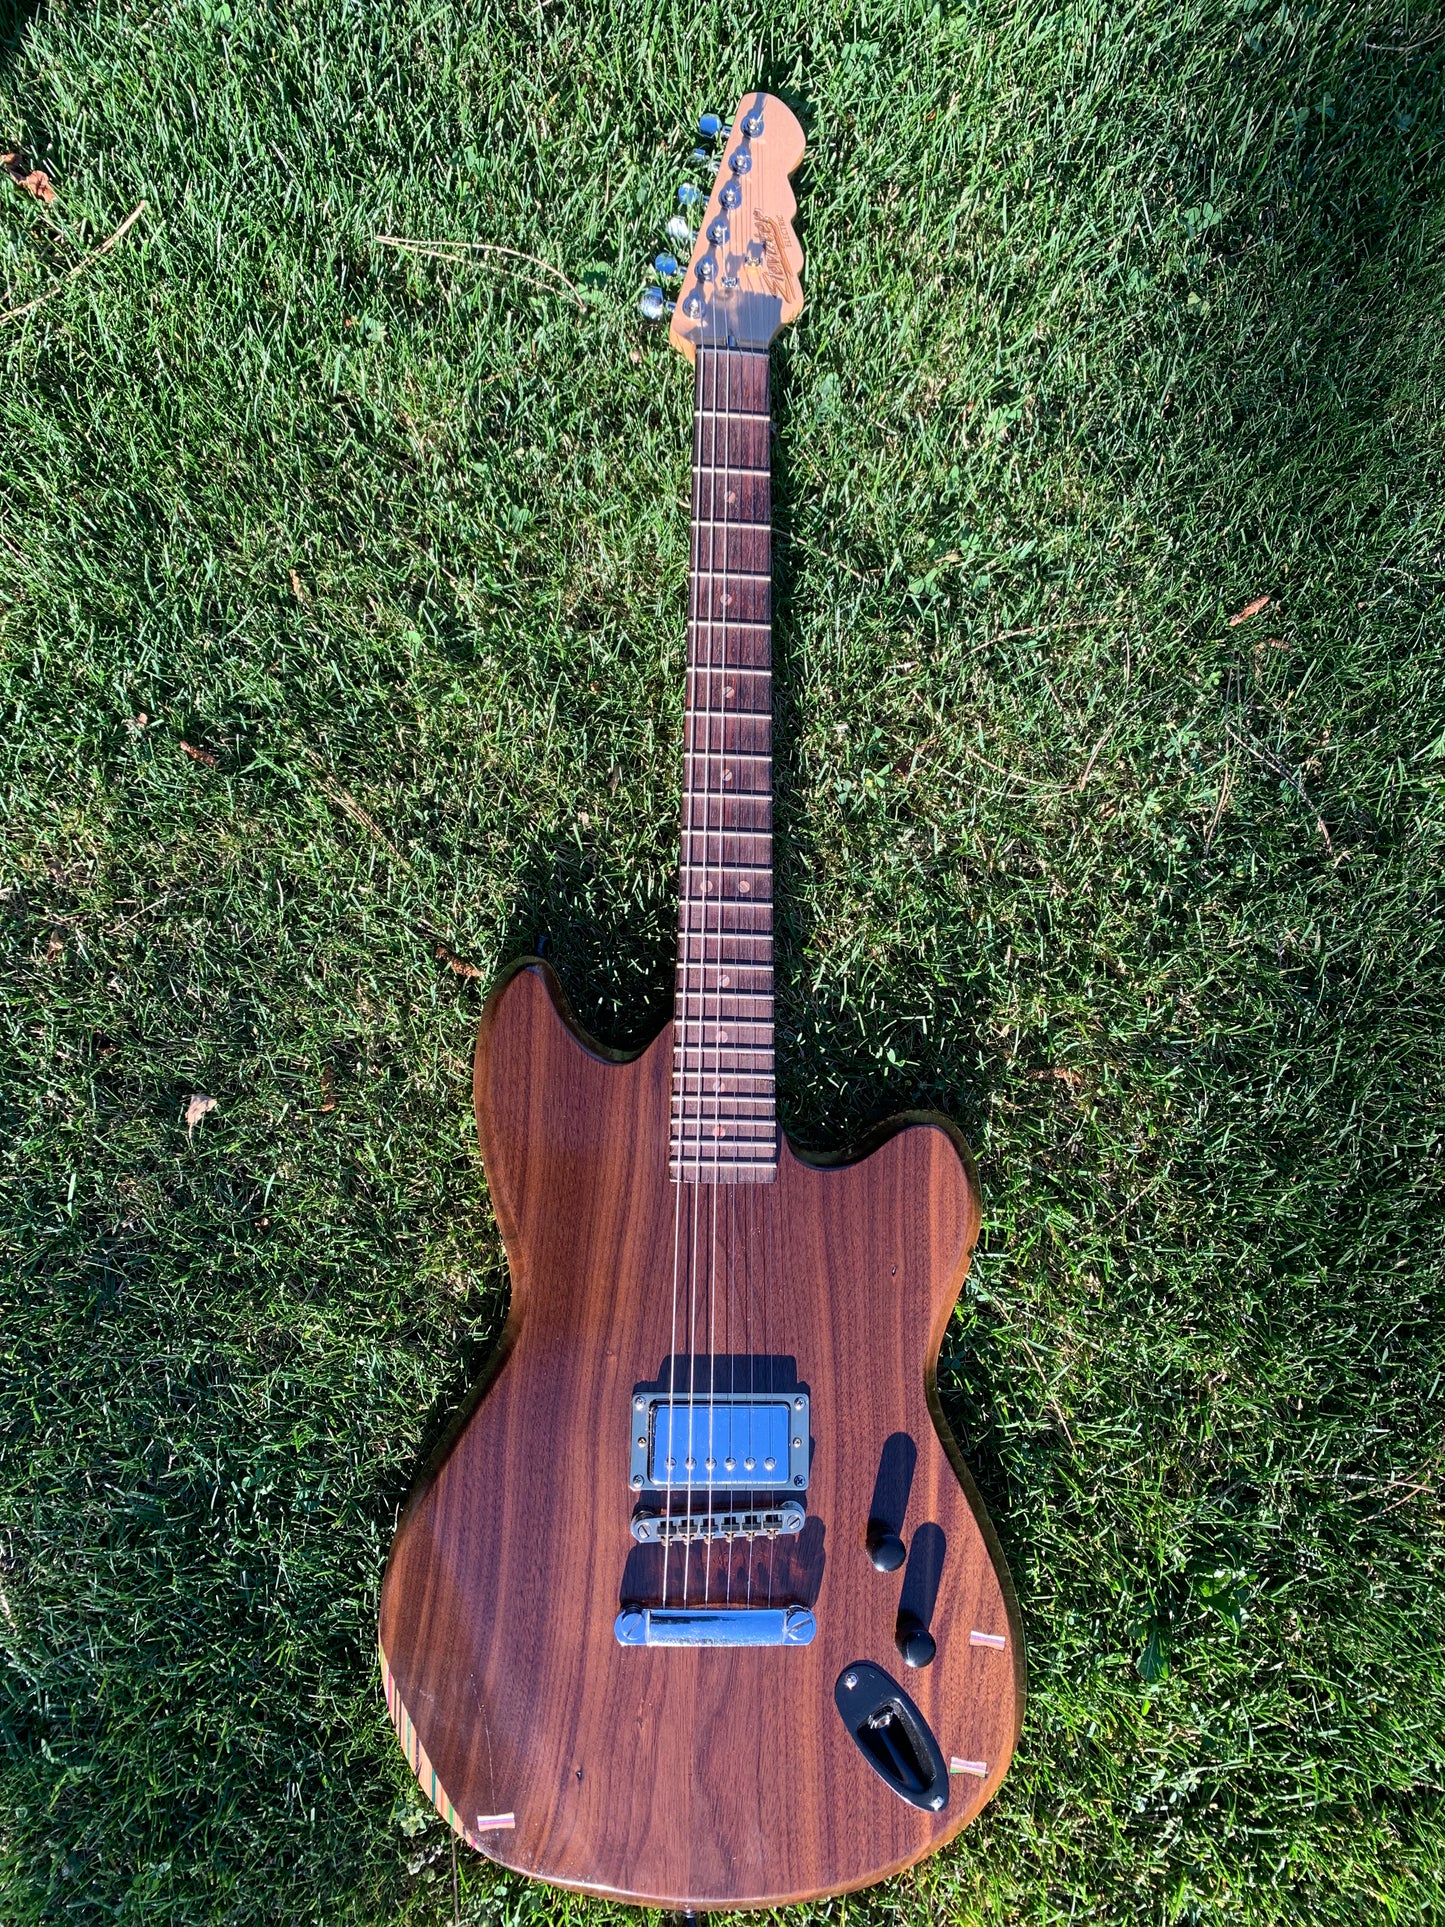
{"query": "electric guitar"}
pixel 698 1606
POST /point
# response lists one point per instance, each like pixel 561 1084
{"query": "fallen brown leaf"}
pixel 199 755
pixel 196 1110
pixel 55 948
pixel 456 964
pixel 34 180
pixel 1062 1072
pixel 1249 609
pixel 328 1095
pixel 298 587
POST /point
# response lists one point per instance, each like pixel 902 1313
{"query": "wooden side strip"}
pixel 416 1755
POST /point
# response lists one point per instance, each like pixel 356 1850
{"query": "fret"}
pixel 725 1170
pixel 709 1082
pixel 723 1058
pixel 736 981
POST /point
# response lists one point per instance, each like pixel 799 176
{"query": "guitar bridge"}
pixel 653 1528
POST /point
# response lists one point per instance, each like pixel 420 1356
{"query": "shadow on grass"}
pixel 15 17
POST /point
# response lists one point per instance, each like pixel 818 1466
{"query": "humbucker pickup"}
pixel 737 1441
pixel 653 1528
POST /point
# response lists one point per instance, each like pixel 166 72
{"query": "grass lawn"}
pixel 1119 319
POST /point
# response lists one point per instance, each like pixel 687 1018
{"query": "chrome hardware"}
pixel 730 282
pixel 731 195
pixel 692 307
pixel 741 161
pixel 710 126
pixel 666 265
pixel 718 232
pixel 654 304
pixel 678 230
pixel 736 1441
pixel 753 124
pixel 689 195
pixel 721 1626
pixel 706 269
pixel 651 1527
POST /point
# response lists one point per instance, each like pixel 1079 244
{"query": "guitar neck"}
pixel 724 1117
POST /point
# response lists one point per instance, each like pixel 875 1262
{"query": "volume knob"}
pixel 914 1642
pixel 885 1549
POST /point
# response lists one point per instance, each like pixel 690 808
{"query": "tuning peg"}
pixel 679 231
pixel 654 304
pixel 711 125
pixel 689 195
pixel 666 265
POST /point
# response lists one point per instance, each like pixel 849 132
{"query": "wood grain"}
pixel 702 1778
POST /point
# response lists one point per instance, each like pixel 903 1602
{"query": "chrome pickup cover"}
pixel 653 1528
pixel 738 1441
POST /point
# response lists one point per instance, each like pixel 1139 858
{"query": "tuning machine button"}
pixel 679 231
pixel 666 266
pixel 710 126
pixel 654 304
pixel 688 195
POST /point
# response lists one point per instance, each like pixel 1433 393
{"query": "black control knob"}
pixel 914 1641
pixel 885 1548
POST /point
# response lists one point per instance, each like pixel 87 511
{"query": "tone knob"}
pixel 915 1643
pixel 885 1549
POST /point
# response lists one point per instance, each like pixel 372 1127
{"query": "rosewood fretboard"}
pixel 724 1120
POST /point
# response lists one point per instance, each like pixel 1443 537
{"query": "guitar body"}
pixel 707 1777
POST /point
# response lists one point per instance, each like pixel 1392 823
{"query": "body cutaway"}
pixel 693 1776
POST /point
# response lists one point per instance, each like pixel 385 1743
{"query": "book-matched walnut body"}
pixel 718 1777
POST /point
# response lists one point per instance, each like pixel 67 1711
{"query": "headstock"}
pixel 742 284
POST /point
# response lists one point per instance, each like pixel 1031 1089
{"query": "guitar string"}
pixel 766 1207
pixel 712 685
pixel 715 623
pixel 704 367
pixel 677 1130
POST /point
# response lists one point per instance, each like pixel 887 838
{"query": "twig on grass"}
pixel 14 314
pixel 457 251
pixel 1277 766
